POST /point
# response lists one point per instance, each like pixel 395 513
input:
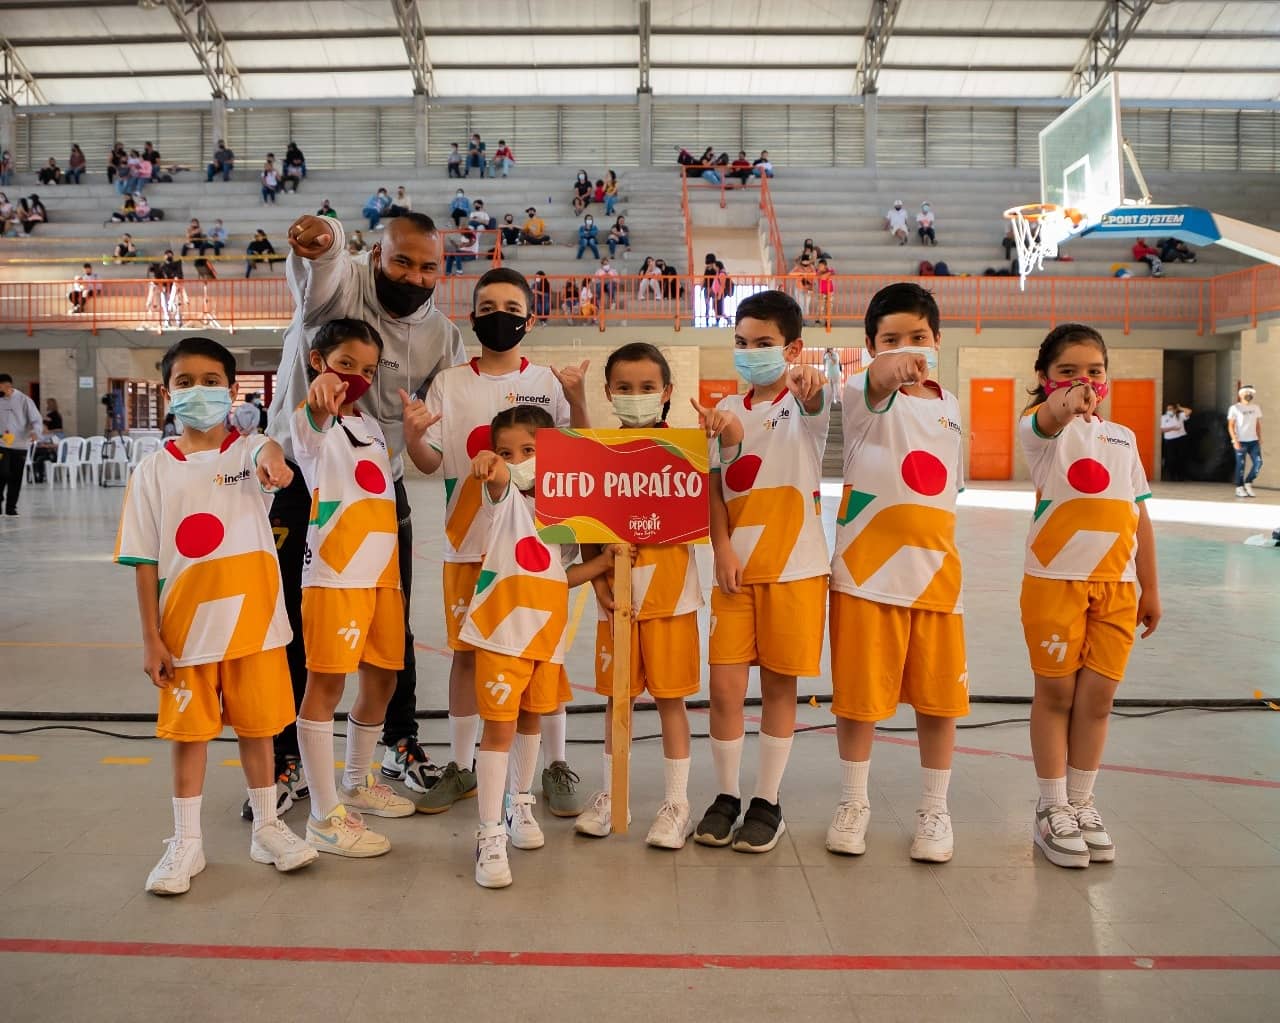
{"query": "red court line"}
pixel 637 960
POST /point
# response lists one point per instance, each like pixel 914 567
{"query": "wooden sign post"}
pixel 622 486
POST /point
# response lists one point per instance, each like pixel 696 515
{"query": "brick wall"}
pixel 1260 364
pixel 59 380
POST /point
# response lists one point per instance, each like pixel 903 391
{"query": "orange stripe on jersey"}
pixel 358 520
pixel 465 511
pixel 217 580
pixel 781 511
pixel 908 525
pixel 548 596
pixel 666 587
pixel 1097 515
pixel 128 491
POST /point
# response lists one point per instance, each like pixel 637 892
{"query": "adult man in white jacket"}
pixel 389 287
pixel 20 425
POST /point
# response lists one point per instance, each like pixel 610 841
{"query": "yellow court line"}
pixel 231 763
pixel 128 761
pixel 18 758
pixel 578 608
pixel 70 646
pixel 340 765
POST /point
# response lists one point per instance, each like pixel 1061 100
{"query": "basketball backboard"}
pixel 1082 155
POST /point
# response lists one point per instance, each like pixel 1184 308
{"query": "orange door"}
pixel 990 429
pixel 1133 404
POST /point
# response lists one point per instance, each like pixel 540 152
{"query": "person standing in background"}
pixel 1244 423
pixel 1173 428
pixel 19 426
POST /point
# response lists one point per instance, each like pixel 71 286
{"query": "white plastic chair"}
pixel 115 463
pixel 142 447
pixel 91 464
pixel 69 463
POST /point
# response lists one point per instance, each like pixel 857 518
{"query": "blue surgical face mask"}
pixel 200 408
pixel 760 367
pixel 930 354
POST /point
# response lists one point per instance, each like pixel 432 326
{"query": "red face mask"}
pixel 1099 389
pixel 356 384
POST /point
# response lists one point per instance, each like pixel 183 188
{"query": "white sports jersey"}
pixel 352 531
pixel 521 604
pixel 773 489
pixel 664 582
pixel 467 401
pixel 1089 482
pixel 896 528
pixel 201 519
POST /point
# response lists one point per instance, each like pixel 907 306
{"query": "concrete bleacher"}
pixel 78 227
pixel 843 210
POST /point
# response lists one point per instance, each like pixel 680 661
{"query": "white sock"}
pixel 1053 792
pixel 774 753
pixel 361 739
pixel 1080 784
pixel 555 728
pixel 463 732
pixel 935 789
pixel 263 802
pixel 676 775
pixel 607 787
pixel 726 755
pixel 315 743
pixel 524 761
pixel 491 783
pixel 853 781
pixel 186 819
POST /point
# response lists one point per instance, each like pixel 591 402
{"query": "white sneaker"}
pixel 522 828
pixel 274 843
pixel 934 842
pixel 1248 490
pixel 1094 832
pixel 343 833
pixel 180 863
pixel 670 827
pixel 848 832
pixel 376 799
pixel 597 819
pixel 1058 836
pixel 492 868
pixel 1241 492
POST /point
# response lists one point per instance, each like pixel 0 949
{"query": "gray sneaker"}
pixel 455 783
pixel 560 790
pixel 1058 836
pixel 1094 832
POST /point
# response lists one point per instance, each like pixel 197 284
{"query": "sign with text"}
pixel 622 486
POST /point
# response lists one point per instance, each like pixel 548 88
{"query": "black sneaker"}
pixel 407 761
pixel 716 826
pixel 762 826
pixel 290 788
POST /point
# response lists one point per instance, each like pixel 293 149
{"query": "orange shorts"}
pixel 664 657
pixel 506 685
pixel 883 655
pixel 252 694
pixel 775 625
pixel 1071 624
pixel 342 629
pixel 460 579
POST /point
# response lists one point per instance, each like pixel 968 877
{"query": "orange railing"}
pixel 1201 304
pixel 688 223
pixel 775 235
pixel 730 178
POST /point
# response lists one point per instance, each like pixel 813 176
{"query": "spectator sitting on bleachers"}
pixel 116 160
pixel 223 162
pixel 1172 250
pixel 896 222
pixel 326 210
pixel 741 168
pixel 401 204
pixel 1144 253
pixel 376 208
pixel 128 211
pixel 924 225
pixel 455 161
pixel 619 235
pixel 802 276
pixel 479 218
pixel 152 155
pixel 460 208
pixel 815 250
pixel 579 299
pixel 503 159
pixel 295 164
pixel 650 280
pixel 671 286
pixel 597 193
pixel 510 233
pixel 143 211
pixel 708 172
pixel 826 288
pixel 260 250
pixel 32 212
pixel 1008 242
pixel 270 181
pixel 216 237
pixel 75 164
pixel 475 155
pixel 6 168
pixel 195 240
pixel 85 285
pixel 125 247
pixel 588 236
pixel 762 165
pixel 541 288
pixel 50 173
pixel 460 248
pixel 581 192
pixel 8 216
pixel 608 283
pixel 172 294
pixel 610 193
pixel 356 244
pixel 130 178
pixel 534 231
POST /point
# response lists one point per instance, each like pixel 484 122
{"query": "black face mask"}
pixel 499 331
pixel 399 298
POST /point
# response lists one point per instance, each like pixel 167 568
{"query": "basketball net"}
pixel 1038 229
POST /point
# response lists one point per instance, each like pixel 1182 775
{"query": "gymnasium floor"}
pixel 1184 926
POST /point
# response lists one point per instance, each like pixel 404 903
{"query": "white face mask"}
pixel 930 354
pixel 637 409
pixel 522 475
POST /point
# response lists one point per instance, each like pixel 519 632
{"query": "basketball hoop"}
pixel 1038 229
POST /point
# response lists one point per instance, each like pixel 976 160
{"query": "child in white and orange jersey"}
pixel 897 632
pixel 352 607
pixel 466 398
pixel 516 624
pixel 771 560
pixel 214 629
pixel 1090 581
pixel 665 595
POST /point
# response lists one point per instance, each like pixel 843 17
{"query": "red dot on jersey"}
pixel 198 535
pixel 741 475
pixel 478 440
pixel 532 554
pixel 1088 476
pixel 370 477
pixel 924 473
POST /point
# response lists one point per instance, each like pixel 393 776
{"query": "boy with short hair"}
pixel 214 628
pixel 466 398
pixel 897 632
pixel 771 559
